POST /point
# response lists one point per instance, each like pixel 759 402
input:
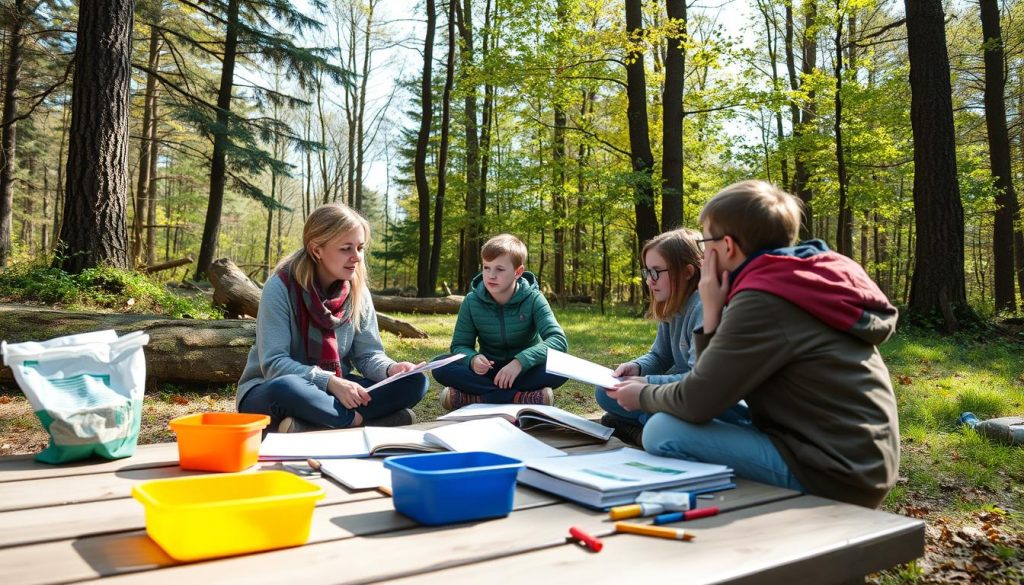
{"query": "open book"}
pixel 491 434
pixel 612 478
pixel 364 442
pixel 529 416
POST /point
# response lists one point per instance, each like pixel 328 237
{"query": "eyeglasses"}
pixel 701 242
pixel 652 273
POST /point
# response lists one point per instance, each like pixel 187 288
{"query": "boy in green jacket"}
pixel 793 330
pixel 509 316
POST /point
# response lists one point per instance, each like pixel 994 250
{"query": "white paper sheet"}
pixel 580 369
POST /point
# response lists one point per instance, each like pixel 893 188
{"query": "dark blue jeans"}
pixel 297 397
pixel 462 377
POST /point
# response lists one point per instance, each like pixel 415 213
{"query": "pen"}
pixel 313 464
pixel 687 515
pixel 588 541
pixel 649 530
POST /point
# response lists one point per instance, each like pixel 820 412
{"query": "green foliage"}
pixel 98 288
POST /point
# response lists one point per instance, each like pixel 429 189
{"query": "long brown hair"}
pixel 680 249
pixel 323 225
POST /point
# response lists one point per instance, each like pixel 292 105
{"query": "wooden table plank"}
pixel 802 540
pixel 410 548
pixel 22 467
pixel 128 552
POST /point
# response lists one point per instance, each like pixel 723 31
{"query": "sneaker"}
pixel 626 431
pixel 399 418
pixel 545 396
pixel 452 399
pixel 290 424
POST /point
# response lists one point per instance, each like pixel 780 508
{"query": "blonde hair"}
pixel 324 224
pixel 757 214
pixel 505 244
pixel 680 249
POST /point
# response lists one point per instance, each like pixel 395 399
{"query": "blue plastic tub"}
pixel 444 488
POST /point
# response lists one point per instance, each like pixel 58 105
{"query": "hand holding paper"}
pixel 423 367
pixel 580 369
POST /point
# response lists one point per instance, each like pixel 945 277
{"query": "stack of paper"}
pixel 612 478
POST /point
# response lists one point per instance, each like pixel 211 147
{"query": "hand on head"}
pixel 714 289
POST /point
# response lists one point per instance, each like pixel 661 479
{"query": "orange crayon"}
pixel 650 530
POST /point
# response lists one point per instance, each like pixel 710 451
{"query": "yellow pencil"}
pixel 649 530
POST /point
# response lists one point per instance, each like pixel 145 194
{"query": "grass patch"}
pixel 98 289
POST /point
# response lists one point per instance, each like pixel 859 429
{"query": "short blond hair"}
pixel 324 224
pixel 757 214
pixel 680 249
pixel 505 244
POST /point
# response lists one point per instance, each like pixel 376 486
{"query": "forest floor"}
pixel 969 491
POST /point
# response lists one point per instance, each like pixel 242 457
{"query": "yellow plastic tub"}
pixel 219 441
pixel 202 517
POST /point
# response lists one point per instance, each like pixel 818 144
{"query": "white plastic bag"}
pixel 86 389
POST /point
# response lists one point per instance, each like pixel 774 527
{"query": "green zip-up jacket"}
pixel 523 328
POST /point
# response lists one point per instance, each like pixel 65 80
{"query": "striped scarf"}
pixel 319 318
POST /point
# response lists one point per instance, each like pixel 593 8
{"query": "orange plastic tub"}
pixel 208 516
pixel 219 441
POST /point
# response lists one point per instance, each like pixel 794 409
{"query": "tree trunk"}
pixel 487 115
pixel 803 115
pixel 221 142
pixel 672 116
pixel 154 186
pixel 442 158
pixel 148 101
pixel 471 245
pixel 999 158
pixel 938 281
pixel 639 135
pixel 423 286
pixel 8 135
pixel 844 225
pixel 93 231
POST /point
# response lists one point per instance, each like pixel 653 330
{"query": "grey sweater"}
pixel 278 340
pixel 673 353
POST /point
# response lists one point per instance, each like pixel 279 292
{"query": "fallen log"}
pixel 166 265
pixel 233 290
pixel 179 350
pixel 448 305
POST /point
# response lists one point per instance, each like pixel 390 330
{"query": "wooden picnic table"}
pixel 78 522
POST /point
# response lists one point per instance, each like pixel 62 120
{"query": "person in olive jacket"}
pixel 506 313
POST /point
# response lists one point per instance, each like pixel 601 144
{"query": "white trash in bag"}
pixel 86 389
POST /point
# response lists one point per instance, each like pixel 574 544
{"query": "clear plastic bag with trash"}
pixel 86 389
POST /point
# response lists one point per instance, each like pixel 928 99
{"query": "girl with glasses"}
pixel 671 270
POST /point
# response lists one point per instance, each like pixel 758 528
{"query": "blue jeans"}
pixel 297 397
pixel 742 446
pixel 738 414
pixel 462 377
pixel 612 406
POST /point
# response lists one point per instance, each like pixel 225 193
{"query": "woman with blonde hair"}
pixel 316 323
